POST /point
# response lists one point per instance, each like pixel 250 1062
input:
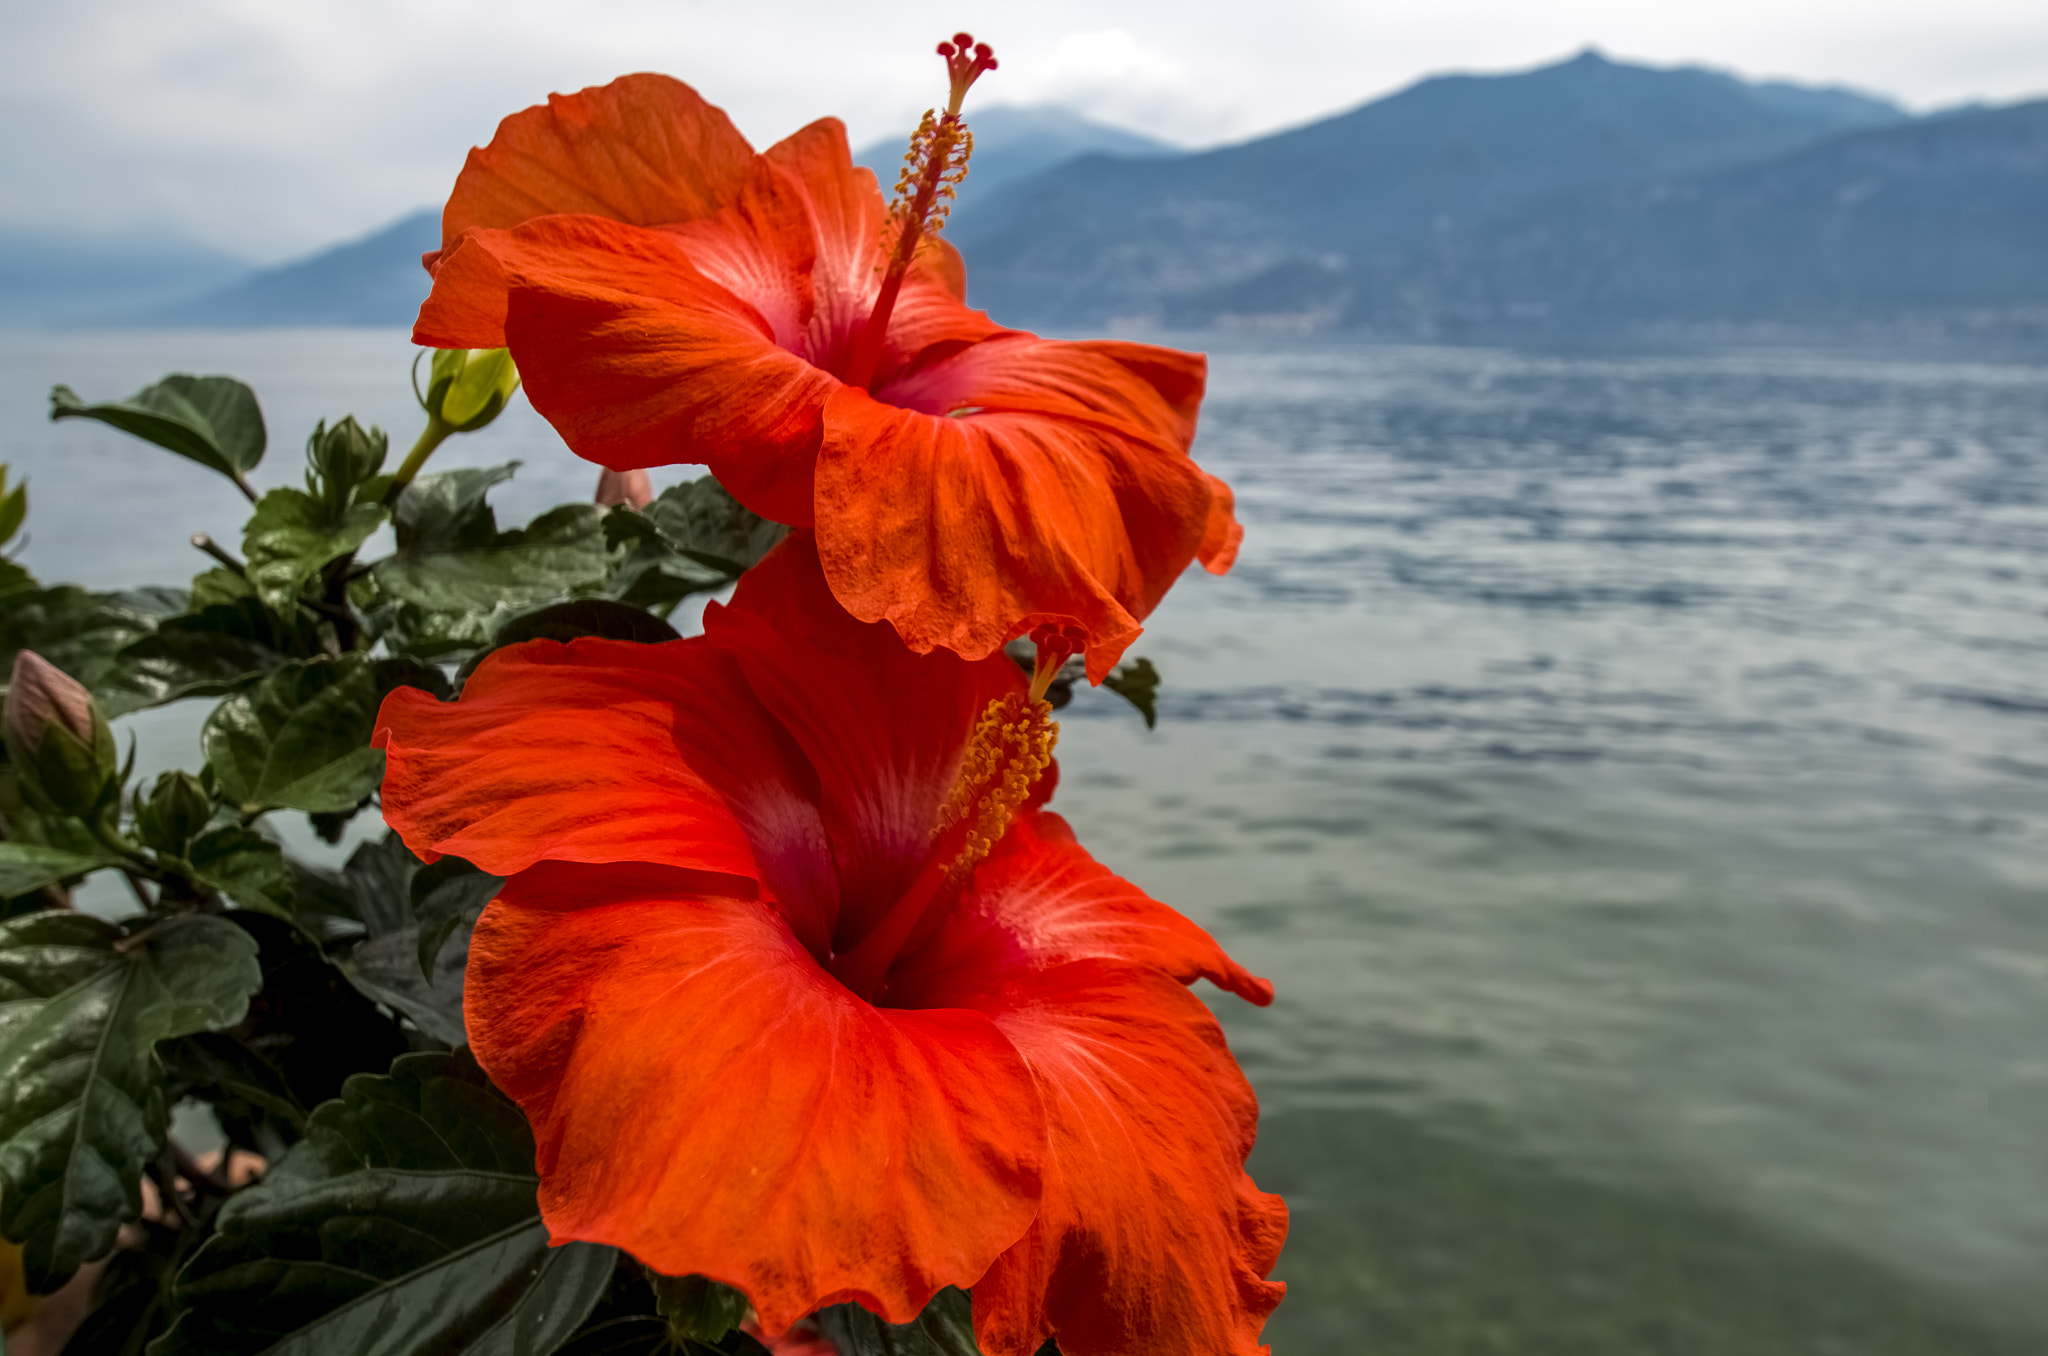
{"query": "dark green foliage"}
pixel 405 1221
pixel 214 421
pixel 315 1012
pixel 28 867
pixel 452 557
pixel 82 1109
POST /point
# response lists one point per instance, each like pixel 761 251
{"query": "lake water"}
pixel 1632 768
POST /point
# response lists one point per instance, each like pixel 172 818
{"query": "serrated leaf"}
pixel 299 738
pixel 214 421
pixel 452 558
pixel 25 867
pixel 945 1328
pixel 1137 682
pixel 406 1221
pixel 82 1007
pixel 292 535
pixel 84 633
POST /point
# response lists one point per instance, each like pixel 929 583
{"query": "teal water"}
pixel 1632 769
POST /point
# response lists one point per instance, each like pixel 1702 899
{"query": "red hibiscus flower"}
pixel 804 991
pixel 672 296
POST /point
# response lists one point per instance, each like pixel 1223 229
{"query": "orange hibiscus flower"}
pixel 804 991
pixel 672 296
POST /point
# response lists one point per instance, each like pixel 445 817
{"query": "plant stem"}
pixel 431 437
pixel 214 549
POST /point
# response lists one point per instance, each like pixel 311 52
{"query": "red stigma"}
pixel 966 59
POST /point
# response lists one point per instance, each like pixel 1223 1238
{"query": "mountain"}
pixel 1014 142
pixel 1105 236
pixel 1942 215
pixel 376 280
pixel 67 278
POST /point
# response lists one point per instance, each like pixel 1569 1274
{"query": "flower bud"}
pixel 176 812
pixel 631 488
pixel 346 455
pixel 57 739
pixel 467 387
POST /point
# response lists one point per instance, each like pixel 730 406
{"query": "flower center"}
pixel 931 175
pixel 1010 749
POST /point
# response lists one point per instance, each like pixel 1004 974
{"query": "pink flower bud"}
pixel 39 694
pixel 632 488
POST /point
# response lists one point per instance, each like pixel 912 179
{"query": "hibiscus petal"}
pixel 1150 1237
pixel 1040 901
pixel 967 532
pixel 704 1096
pixel 644 149
pixel 635 357
pixel 883 728
pixel 846 211
pixel 602 751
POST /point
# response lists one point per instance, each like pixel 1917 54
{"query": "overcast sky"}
pixel 268 127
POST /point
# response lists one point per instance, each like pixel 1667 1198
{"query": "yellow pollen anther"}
pixel 1010 749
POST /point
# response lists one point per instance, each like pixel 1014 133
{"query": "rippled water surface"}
pixel 1632 768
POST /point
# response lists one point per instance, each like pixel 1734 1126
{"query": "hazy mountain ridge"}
pixel 1588 192
pixel 1269 227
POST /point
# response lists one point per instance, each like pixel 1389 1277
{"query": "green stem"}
pixel 431 437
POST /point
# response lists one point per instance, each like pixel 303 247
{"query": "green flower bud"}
pixel 468 387
pixel 343 457
pixel 57 739
pixel 176 812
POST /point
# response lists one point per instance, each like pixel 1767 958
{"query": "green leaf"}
pixel 945 1328
pixel 216 648
pixel 1137 682
pixel 452 558
pixel 447 897
pixel 694 537
pixel 84 634
pixel 82 1109
pixel 214 421
pixel 292 535
pixel 405 1222
pixel 25 867
pixel 695 1308
pixel 219 585
pixel 387 970
pixel 299 738
pixel 246 867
